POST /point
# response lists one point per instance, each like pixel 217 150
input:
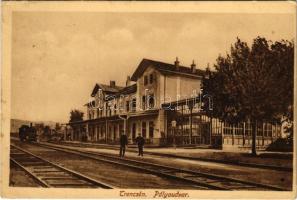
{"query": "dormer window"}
pixel 145 80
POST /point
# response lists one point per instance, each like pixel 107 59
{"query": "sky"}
pixel 58 57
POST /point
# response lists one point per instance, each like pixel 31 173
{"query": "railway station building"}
pixel 161 102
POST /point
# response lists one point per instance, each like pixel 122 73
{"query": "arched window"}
pixel 151 101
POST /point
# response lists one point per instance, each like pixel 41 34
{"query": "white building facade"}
pixel 137 107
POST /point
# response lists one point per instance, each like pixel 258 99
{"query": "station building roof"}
pixel 106 88
pixel 166 68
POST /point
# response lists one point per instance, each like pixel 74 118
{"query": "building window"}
pixel 145 80
pixel 133 104
pixel 274 130
pixel 268 130
pixel 115 109
pixel 127 106
pixel 228 129
pixel 238 129
pixel 143 102
pixel 248 129
pixel 151 101
pixel 144 129
pixel 151 78
pixel 151 129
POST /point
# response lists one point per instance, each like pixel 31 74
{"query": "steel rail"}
pixel 75 176
pixel 37 179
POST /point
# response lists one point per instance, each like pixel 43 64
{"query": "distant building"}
pixel 156 95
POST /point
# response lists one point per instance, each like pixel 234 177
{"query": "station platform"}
pixel 202 153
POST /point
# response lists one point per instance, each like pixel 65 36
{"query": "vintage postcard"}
pixel 148 100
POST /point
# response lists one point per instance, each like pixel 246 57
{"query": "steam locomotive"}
pixel 27 133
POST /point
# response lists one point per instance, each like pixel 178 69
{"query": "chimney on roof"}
pixel 193 67
pixel 112 83
pixel 176 63
pixel 128 81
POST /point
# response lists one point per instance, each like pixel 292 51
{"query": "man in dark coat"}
pixel 123 143
pixel 140 143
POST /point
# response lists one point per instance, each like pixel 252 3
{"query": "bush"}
pixel 281 144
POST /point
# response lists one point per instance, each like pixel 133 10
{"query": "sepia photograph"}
pixel 137 100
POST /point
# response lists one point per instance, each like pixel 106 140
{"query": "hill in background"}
pixel 15 124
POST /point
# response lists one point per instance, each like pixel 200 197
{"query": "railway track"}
pixel 48 174
pixel 199 179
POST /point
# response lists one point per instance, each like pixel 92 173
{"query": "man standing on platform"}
pixel 123 143
pixel 140 142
